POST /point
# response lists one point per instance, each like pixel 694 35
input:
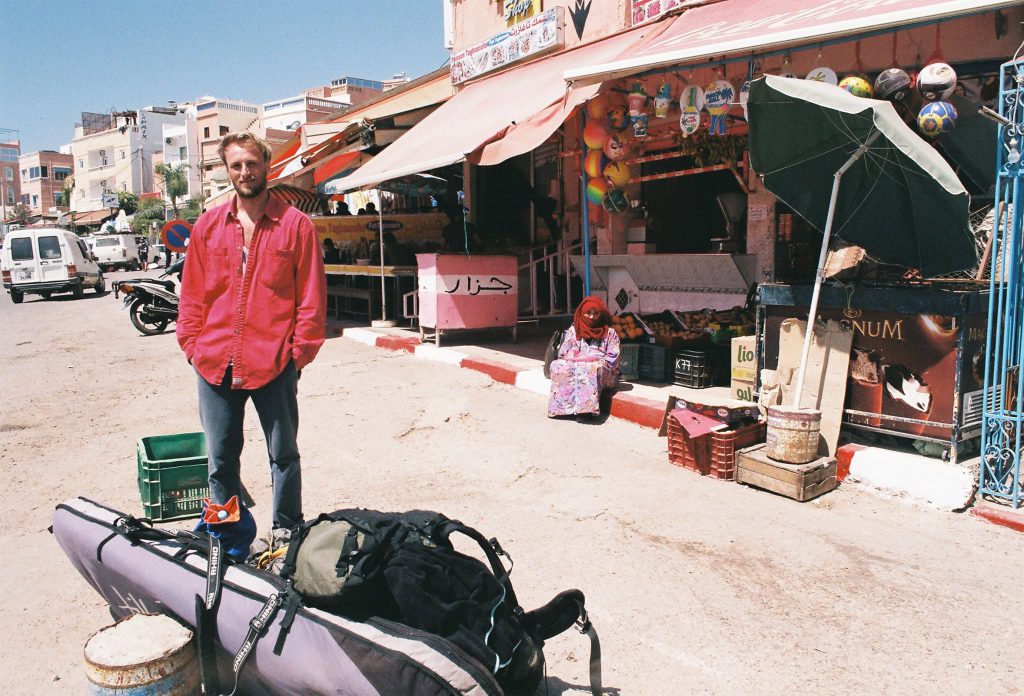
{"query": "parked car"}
pixel 156 254
pixel 115 251
pixel 45 260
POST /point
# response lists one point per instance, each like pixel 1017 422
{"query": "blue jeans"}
pixel 222 411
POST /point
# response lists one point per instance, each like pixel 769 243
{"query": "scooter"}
pixel 152 303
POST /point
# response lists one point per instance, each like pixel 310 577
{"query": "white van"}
pixel 116 251
pixel 44 260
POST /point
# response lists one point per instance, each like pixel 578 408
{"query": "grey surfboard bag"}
pixel 323 653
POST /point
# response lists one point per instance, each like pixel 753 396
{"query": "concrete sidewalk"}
pixel 887 472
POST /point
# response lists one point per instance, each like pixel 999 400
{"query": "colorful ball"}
pixel 597 108
pixel 936 118
pixel 593 163
pixel 618 117
pixel 595 134
pixel 892 85
pixel 615 201
pixel 617 173
pixel 615 148
pixel 596 190
pixel 857 86
pixel 936 81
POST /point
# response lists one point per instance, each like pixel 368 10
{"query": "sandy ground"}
pixel 695 585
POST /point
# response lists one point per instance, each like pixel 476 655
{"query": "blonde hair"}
pixel 246 140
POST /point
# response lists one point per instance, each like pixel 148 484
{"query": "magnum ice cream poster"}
pixel 903 368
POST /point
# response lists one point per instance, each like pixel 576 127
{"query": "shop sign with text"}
pixel 646 10
pixel 536 35
pixel 518 10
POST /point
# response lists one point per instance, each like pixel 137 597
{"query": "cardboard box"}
pixel 639 248
pixel 742 390
pixel 744 358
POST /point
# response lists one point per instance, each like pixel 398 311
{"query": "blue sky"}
pixel 63 57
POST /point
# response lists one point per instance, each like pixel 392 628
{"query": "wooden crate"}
pixel 800 482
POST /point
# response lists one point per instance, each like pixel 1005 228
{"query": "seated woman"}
pixel 587 363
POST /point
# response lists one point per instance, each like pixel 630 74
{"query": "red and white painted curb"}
pixel 915 478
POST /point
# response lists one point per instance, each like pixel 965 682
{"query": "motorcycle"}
pixel 152 303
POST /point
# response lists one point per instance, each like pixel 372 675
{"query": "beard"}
pixel 252 190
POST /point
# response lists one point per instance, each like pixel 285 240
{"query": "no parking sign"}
pixel 175 234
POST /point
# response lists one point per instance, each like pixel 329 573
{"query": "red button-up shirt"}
pixel 258 316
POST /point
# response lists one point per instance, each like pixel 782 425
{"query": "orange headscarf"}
pixel 591 327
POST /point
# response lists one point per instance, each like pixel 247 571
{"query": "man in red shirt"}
pixel 251 316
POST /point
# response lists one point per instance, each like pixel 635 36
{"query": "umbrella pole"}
pixel 820 274
pixel 380 243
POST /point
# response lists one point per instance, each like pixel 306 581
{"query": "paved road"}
pixel 695 585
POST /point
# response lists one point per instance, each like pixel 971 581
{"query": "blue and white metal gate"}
pixel 1003 415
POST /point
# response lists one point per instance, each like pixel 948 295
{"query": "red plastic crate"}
pixel 724 444
pixel 712 454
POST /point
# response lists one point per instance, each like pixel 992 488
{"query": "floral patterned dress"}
pixel 576 385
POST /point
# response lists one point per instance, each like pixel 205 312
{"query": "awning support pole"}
pixel 584 207
pixel 820 275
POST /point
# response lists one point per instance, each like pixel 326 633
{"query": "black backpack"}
pixel 403 567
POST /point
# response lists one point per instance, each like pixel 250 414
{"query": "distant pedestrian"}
pixel 371 209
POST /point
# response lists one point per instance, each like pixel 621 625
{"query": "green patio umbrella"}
pixel 851 167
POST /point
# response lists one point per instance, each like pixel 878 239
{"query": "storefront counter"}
pixel 917 362
pixel 655 282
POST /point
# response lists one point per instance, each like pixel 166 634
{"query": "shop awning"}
pixel 92 217
pixel 497 117
pixel 733 26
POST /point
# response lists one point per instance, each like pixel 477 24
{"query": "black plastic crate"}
pixel 656 363
pixel 700 369
pixel 629 360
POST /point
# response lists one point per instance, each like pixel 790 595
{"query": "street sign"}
pixel 175 234
pixel 109 200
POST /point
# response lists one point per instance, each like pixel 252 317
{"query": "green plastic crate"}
pixel 173 477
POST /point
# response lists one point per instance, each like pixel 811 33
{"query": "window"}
pixel 10 196
pixel 123 154
pixel 44 173
pixel 61 173
pixel 37 172
pixel 124 187
pixel 21 249
pixel 49 248
pixel 58 198
pixel 24 173
pixel 107 241
pixel 104 184
pixel 81 164
pixel 83 247
pixel 183 152
pixel 224 130
pixel 24 199
pixel 9 173
pixel 35 201
pixel 81 193
pixel 206 132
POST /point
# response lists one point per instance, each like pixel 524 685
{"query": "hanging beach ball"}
pixel 596 190
pixel 615 201
pixel 617 173
pixel 597 108
pixel 936 81
pixel 618 117
pixel 593 163
pixel 615 148
pixel 892 85
pixel 936 118
pixel 595 135
pixel 857 86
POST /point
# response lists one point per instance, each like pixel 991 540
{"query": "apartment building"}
pixel 43 175
pixel 215 118
pixel 288 114
pixel 182 145
pixel 10 179
pixel 114 152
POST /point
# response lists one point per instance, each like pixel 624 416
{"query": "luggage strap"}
pixel 584 626
pixel 206 617
pixel 257 627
